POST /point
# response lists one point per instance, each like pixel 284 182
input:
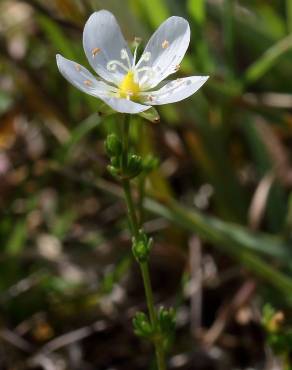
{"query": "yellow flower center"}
pixel 128 87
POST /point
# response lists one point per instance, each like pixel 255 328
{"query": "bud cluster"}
pixel 119 167
pixel 141 247
pixel 130 167
pixel 142 326
pixel 164 329
pixel 166 319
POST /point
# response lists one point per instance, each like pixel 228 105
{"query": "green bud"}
pixel 166 319
pixel 141 247
pixel 113 170
pixel 115 162
pixel 134 166
pixel 150 163
pixel 113 145
pixel 142 326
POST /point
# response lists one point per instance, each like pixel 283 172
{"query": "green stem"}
pixel 148 291
pixel 141 187
pixel 144 266
pixel 131 208
pixel 125 136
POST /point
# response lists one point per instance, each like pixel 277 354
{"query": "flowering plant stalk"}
pixel 126 167
pixel 132 85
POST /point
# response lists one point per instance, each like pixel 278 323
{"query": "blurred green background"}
pixel 219 206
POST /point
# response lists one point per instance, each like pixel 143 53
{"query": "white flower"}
pixel 128 85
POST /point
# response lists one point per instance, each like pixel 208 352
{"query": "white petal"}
pixel 103 42
pixel 81 78
pixel 167 47
pixel 124 105
pixel 176 90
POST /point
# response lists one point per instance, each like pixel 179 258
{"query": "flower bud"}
pixel 141 247
pixel 113 171
pixel 142 326
pixel 115 162
pixel 150 163
pixel 113 145
pixel 166 318
pixel 134 166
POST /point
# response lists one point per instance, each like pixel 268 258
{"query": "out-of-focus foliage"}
pixel 225 175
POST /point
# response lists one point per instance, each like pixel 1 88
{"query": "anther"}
pixel 111 66
pixel 146 56
pixel 124 54
pixel 177 67
pixel 77 67
pixel 165 44
pixel 95 51
pixel 137 40
pixel 150 98
pixel 88 83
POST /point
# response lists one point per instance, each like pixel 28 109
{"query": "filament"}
pixel 135 56
pixel 144 58
pixel 125 56
pixel 112 65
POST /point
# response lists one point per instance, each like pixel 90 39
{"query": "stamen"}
pixel 88 83
pixel 165 44
pixel 112 65
pixel 135 56
pixel 142 69
pixel 150 98
pixel 144 58
pixel 77 67
pixel 95 51
pixel 177 67
pixel 137 41
pixel 125 56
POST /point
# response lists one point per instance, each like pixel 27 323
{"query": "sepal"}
pixel 151 115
